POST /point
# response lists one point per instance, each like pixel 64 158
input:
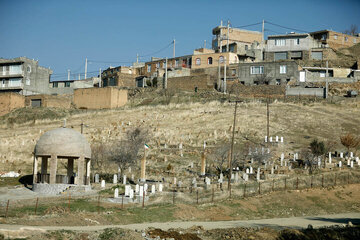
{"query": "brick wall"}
pixel 63 101
pixel 190 82
pixel 10 101
pixel 125 80
pixel 100 98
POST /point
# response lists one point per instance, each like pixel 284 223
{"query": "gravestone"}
pixel 127 190
pixel 247 171
pixel 351 154
pixel 277 139
pixel 251 170
pixel 131 195
pixel 258 174
pixel 348 161
pixel 281 139
pixel 266 140
pixel 272 169
pixel 115 179
pixel 102 183
pixel 352 164
pixel 116 193
pixel 174 181
pixel 340 164
pixel 96 178
pixel 145 187
pixel 191 165
pixel 141 191
pixel 271 139
pixel 160 187
pixel 330 157
pixel 341 155
pixel 152 189
pixel 236 177
pixel 137 188
pixel 124 179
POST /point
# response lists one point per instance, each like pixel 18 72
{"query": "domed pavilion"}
pixel 58 145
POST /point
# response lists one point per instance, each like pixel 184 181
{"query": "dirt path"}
pixel 278 223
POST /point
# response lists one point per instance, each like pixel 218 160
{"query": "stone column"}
pixel 70 169
pixel 35 166
pixel 88 164
pixel 80 173
pixel 44 166
pixel 203 163
pixel 53 169
pixel 143 169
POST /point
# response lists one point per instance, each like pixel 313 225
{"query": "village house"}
pixel 335 40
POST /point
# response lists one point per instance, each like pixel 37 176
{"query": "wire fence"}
pixel 201 194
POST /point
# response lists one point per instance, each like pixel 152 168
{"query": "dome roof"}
pixel 63 142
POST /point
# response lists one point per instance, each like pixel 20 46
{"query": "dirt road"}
pixel 278 223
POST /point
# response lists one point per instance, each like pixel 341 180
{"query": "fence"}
pixel 184 195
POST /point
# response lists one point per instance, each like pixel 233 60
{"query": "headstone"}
pixel 129 169
pixel 294 157
pixel 102 183
pixel 236 177
pixel 124 179
pixel 96 178
pixel 258 174
pixel 282 156
pixel 285 163
pixel 348 161
pixel 330 157
pixel 244 176
pixel 127 190
pixel 277 139
pixel 232 175
pixel 160 187
pixel 289 167
pixel 351 154
pixel 251 170
pixel 340 164
pixel 145 187
pixel 191 165
pixel 352 164
pixel 266 140
pixel 174 181
pixel 281 139
pixel 252 160
pixel 271 139
pixel 204 144
pixel 115 179
pixel 137 188
pixel 116 193
pixel 247 171
pixel 208 181
pixel 132 176
pixel 131 195
pixel 268 150
pixel 319 163
pixel 341 155
pixel 152 189
pixel 357 159
pixel 272 169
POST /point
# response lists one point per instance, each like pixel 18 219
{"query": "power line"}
pixel 160 50
pixel 289 28
pixel 249 25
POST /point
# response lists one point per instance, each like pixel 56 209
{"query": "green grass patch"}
pixel 9 181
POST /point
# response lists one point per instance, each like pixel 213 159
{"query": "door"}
pixel 302 76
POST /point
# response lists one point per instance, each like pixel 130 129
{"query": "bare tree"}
pixel 124 152
pixel 98 156
pixel 220 156
pixel 308 158
pixel 353 30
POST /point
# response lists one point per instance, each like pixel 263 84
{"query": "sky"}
pixel 62 34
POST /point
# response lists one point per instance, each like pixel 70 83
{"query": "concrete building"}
pixel 207 58
pixel 54 147
pixel 60 87
pixel 120 76
pixel 24 76
pixel 335 40
pixel 295 46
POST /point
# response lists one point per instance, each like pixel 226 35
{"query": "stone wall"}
pixel 191 82
pixel 301 91
pixel 273 91
pixel 10 101
pixel 59 101
pixel 100 98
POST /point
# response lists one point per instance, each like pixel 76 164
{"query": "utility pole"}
pixel 174 49
pixel 232 148
pixel 137 58
pixel 219 76
pixel 165 82
pixel 100 78
pixel 85 67
pixel 327 80
pixel 263 30
pixel 68 74
pixel 79 76
pixel 227 39
pixel 267 120
pixel 224 75
pixel 204 43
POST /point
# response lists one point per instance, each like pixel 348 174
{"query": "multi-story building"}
pixel 207 58
pixel 24 76
pixel 335 40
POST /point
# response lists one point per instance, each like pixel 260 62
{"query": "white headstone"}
pixel 131 195
pixel 232 176
pixel 127 190
pixel 145 187
pixel 348 161
pixel 277 139
pixel 116 193
pixel 272 169
pixel 268 150
pixel 153 189
pixel 357 159
pixel 285 163
pixel 141 191
pixel 266 139
pixel 330 157
pixel 271 139
pixel 208 181
pixel 351 154
pixel 282 156
pixel 251 170
pixel 115 179
pixel 174 181
pixel 137 188
pixel 247 171
pixel 191 165
pixel 236 177
pixel 96 178
pixel 340 164
pixel 124 179
pixel 102 183
pixel 341 155
pixel 204 144
pixel 160 187
pixel 352 164
pixel 281 139
pixel 258 174
pixel 221 176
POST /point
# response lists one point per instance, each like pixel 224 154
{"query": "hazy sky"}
pixel 61 34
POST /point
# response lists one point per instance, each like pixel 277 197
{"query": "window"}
pixel 28 69
pixel 15 82
pixel 278 81
pixel 324 36
pixel 198 61
pixel 246 47
pixel 296 55
pixel 15 69
pixel 280 55
pixel 233 72
pixel 28 81
pixel 297 41
pixel 55 84
pixel 316 55
pixel 67 84
pixel 257 70
pixel 282 69
pixel 148 68
pixel 209 60
pixel 232 48
pixel 346 39
pixel 164 63
pixel 176 62
pixel 335 36
pixel 221 59
pixel 3 83
pixel 279 42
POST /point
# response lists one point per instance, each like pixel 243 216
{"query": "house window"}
pixel 346 39
pixel 221 59
pixel 148 68
pixel 278 81
pixel 67 84
pixel 335 36
pixel 164 63
pixel 257 70
pixel 297 41
pixel 15 69
pixel 15 82
pixel 280 55
pixel 324 36
pixel 296 55
pixel 28 81
pixel 233 72
pixel 55 84
pixel 198 61
pixel 279 42
pixel 28 69
pixel 232 48
pixel 282 69
pixel 209 60
pixel 316 55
